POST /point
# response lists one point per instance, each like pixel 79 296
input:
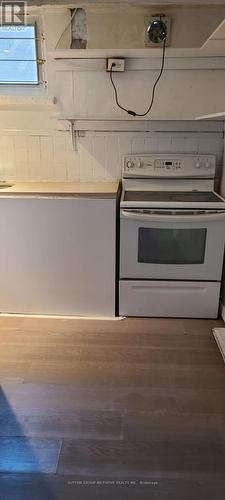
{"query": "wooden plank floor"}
pixel 111 409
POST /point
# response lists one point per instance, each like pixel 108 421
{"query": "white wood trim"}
pixel 132 125
pixel 68 318
pixel 26 102
pixel 138 64
pixel 28 132
pixel 214 46
pixel 213 116
pixel 134 53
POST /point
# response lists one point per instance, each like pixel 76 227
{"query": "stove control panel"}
pixel 167 165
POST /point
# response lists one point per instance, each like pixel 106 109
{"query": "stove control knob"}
pixel 139 164
pixel 198 164
pixel 207 164
pixel 130 164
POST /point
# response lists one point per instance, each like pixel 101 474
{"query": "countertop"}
pixel 76 189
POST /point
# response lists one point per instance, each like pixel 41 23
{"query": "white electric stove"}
pixel 172 235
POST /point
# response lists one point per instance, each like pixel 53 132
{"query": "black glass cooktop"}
pixel 172 196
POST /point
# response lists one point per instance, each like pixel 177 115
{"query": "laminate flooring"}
pixel 94 409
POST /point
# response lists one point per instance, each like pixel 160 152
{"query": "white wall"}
pixel 32 148
pixel 181 94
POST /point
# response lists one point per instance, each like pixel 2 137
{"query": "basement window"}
pixel 18 55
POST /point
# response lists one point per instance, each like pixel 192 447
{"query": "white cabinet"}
pixel 57 255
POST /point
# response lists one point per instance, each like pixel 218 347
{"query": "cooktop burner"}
pixel 172 196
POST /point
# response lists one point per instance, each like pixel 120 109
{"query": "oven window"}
pixel 171 246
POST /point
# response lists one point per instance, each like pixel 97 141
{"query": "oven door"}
pixel 174 245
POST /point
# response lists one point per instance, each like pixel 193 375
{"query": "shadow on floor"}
pixel 22 456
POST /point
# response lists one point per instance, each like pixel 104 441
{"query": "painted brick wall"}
pixel 37 157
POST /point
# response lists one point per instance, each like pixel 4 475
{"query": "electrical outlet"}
pixel 119 64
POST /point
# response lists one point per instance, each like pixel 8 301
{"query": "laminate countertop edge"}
pixel 94 191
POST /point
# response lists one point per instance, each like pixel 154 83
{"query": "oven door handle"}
pixel 207 217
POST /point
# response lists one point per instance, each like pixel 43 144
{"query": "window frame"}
pixel 27 85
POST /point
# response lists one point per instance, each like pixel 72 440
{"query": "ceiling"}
pixel 211 32
pixel 142 2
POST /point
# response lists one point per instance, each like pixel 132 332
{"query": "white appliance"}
pixel 172 235
pixel 57 255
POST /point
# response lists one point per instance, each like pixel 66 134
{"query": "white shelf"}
pixel 96 124
pixel 104 53
pixel 63 54
pixel 140 63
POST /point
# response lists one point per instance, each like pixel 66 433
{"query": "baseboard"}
pixel 54 316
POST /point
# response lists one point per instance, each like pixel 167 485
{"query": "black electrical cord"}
pixel 129 111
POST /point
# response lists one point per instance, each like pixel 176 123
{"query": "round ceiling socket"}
pixel 157 31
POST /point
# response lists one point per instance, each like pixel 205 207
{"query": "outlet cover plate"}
pixel 119 62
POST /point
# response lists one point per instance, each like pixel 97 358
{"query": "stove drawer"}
pixel 182 299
